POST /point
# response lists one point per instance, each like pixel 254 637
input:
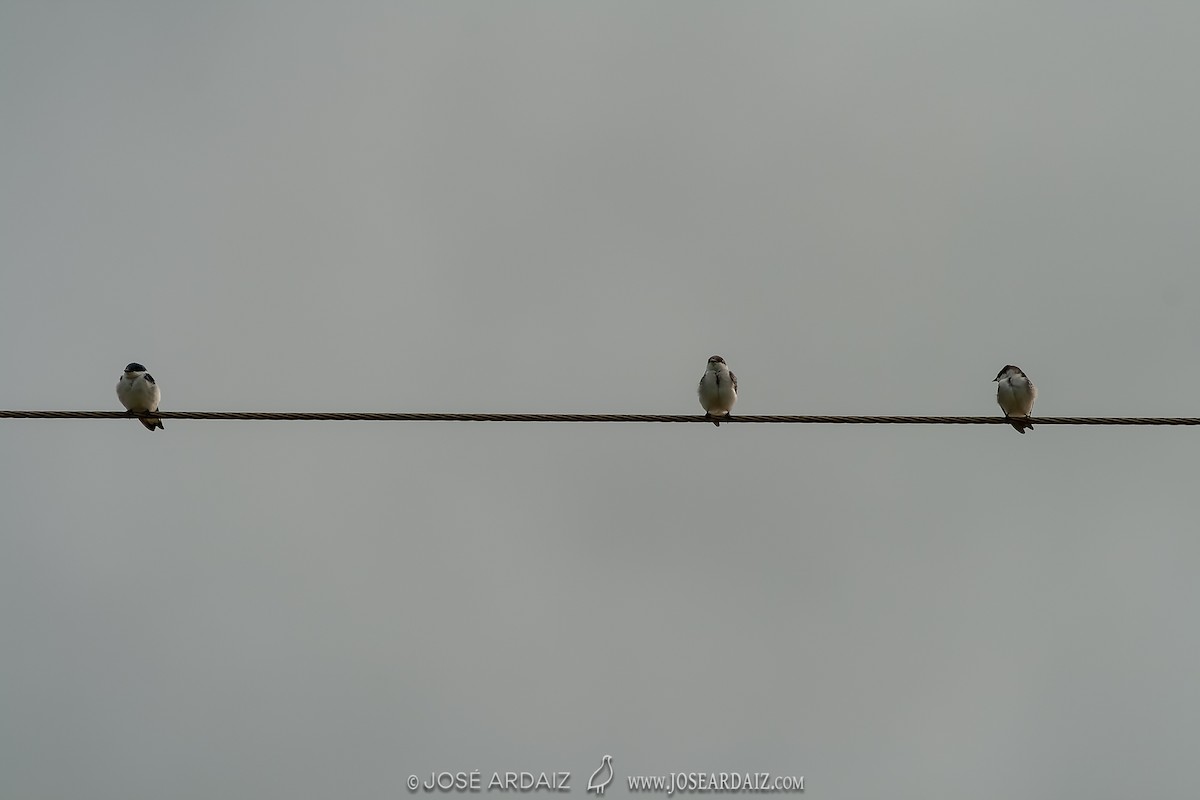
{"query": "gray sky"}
pixel 544 206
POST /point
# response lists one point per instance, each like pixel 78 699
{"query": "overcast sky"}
pixel 568 207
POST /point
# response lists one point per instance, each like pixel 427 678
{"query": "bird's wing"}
pixel 733 378
pixel 149 377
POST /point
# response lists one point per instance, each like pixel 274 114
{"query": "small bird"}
pixel 138 392
pixel 1015 393
pixel 717 390
pixel 602 777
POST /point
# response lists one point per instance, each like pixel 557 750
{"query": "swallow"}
pixel 138 392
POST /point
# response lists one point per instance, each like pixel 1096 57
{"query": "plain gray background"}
pixel 567 207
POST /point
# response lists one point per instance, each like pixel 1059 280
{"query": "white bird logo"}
pixel 598 784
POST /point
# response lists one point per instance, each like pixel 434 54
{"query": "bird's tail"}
pixel 151 422
pixel 1021 425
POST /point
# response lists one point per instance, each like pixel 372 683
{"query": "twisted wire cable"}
pixel 810 419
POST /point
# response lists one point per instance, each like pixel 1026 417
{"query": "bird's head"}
pixel 1008 371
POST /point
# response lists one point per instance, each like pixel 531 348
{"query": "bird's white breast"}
pixel 137 394
pixel 1015 395
pixel 717 394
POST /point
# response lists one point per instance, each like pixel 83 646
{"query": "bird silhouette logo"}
pixel 602 777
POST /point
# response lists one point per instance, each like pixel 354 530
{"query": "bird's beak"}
pixel 995 380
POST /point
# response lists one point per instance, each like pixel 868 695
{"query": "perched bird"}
pixel 718 390
pixel 602 777
pixel 1015 393
pixel 138 392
